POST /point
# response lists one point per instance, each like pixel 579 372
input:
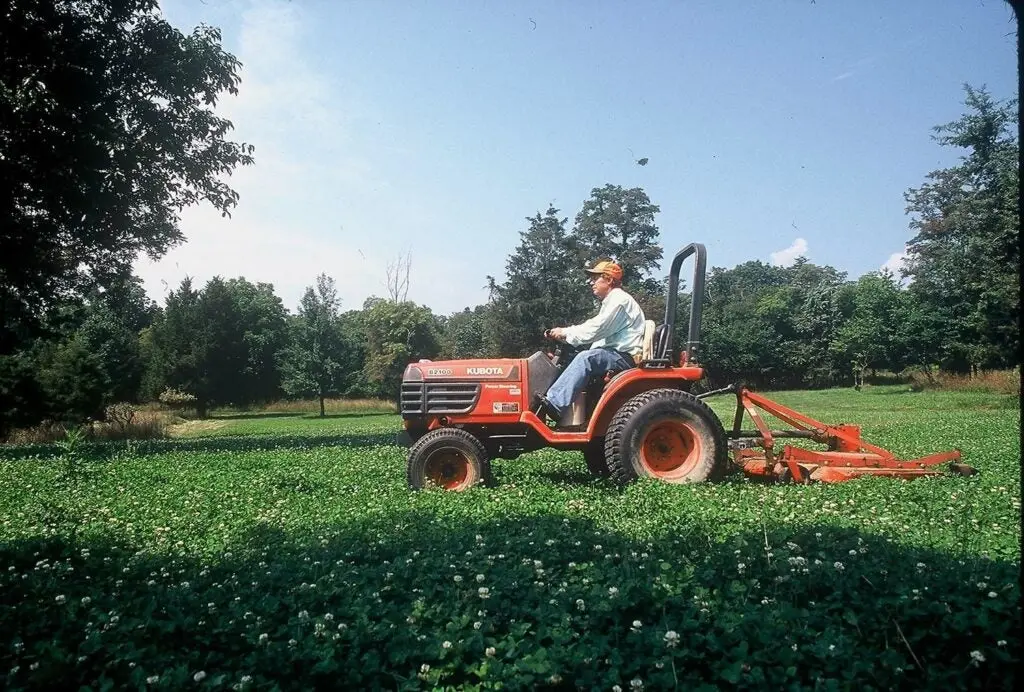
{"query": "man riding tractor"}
pixel 624 402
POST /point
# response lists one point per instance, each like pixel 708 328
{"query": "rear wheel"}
pixel 593 454
pixel 666 434
pixel 447 458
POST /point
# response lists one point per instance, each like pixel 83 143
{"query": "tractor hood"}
pixel 500 369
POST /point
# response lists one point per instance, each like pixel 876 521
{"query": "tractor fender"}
pixel 629 383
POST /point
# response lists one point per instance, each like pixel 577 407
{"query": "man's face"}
pixel 600 285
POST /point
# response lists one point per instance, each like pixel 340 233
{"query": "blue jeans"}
pixel 593 361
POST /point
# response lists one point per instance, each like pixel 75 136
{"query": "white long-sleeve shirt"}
pixel 619 324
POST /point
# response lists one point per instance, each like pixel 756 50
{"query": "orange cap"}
pixel 607 268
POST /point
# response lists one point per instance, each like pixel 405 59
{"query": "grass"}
pixel 285 552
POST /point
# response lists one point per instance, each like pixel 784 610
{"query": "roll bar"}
pixel 667 338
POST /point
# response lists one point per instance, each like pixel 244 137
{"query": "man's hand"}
pixel 556 333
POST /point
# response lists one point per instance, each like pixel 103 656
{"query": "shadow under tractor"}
pixel 639 422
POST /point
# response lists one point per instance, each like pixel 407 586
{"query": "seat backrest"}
pixel 649 329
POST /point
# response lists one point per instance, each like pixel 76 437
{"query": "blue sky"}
pixel 433 129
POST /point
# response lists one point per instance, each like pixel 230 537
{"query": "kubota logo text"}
pixel 485 371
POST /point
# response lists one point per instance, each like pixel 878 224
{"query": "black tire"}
pixel 666 434
pixel 449 458
pixel 593 454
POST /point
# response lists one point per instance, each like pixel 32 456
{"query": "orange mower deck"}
pixel 847 455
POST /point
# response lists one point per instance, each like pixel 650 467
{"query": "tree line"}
pixel 99 92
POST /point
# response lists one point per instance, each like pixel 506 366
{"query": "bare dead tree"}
pixel 398 277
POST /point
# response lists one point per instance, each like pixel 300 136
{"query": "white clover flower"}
pixel 839 566
pixel 636 684
pixel 977 657
pixel 479 577
pixel 613 591
pixel 921 565
pixel 477 625
pixel 264 638
pixel 490 652
pixel 198 677
pixel 741 566
pixel 671 639
pixel 852 552
pixel 580 605
pixel 424 669
pixel 831 647
pixel 292 642
pixel 34 666
pixel 992 594
pixel 153 679
pixel 61 599
pixel 246 679
pixel 1001 642
pixel 794 647
pixel 616 688
pixel 457 578
pixel 446 644
pixel 484 592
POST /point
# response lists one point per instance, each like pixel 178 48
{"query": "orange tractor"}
pixel 639 422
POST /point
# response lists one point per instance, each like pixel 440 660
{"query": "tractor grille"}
pixel 439 397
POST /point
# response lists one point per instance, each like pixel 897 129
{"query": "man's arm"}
pixel 602 325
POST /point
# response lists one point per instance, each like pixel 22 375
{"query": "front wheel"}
pixel 447 458
pixel 667 434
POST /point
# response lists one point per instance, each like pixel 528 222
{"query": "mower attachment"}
pixel 847 457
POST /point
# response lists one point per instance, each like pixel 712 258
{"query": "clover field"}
pixel 285 552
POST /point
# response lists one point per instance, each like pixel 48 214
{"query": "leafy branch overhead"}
pixel 108 130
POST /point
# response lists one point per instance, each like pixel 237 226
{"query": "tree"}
pixel 264 328
pixel 312 363
pixel 398 277
pixel 464 335
pixel 619 224
pixel 545 287
pixel 107 131
pixel 869 336
pixel 396 335
pixel 965 257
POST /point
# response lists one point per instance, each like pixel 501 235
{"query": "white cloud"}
pixel 896 262
pixel 784 258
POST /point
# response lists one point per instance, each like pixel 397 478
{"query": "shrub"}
pixel 990 381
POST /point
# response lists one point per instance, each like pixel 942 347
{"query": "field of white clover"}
pixel 287 553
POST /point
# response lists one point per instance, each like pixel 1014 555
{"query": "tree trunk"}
pixel 321 405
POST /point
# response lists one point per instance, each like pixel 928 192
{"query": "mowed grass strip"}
pixel 286 551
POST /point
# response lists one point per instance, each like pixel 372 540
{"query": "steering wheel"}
pixel 563 351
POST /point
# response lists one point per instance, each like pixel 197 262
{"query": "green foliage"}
pixel 772 326
pixel 965 256
pixel 218 344
pixel 396 334
pixel 313 362
pixel 293 556
pixel 108 131
pixel 464 335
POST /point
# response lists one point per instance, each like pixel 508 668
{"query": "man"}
pixel 616 335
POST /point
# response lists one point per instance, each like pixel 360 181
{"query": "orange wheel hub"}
pixel 448 469
pixel 670 450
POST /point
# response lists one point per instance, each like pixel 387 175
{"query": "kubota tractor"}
pixel 643 421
